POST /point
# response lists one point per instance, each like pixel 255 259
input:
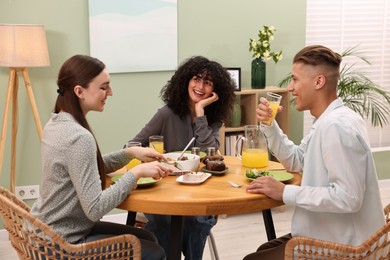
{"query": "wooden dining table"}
pixel 215 196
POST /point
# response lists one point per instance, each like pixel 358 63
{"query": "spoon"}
pixel 235 185
pixel 185 149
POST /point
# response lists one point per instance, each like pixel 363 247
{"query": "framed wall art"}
pixel 235 73
pixel 134 36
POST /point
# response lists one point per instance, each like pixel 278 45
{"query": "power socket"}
pixel 27 192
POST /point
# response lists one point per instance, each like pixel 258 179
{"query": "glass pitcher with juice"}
pixel 254 152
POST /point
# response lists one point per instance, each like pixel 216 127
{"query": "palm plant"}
pixel 359 93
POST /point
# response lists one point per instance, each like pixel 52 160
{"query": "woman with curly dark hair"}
pixel 198 98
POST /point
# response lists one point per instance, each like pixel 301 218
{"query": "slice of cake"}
pixel 215 163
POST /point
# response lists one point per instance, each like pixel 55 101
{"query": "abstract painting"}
pixel 134 35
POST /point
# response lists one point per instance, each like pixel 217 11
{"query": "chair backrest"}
pixel 377 246
pixel 387 213
pixel 33 239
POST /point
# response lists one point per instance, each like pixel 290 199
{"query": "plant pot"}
pixel 258 73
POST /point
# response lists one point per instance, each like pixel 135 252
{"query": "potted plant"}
pixel 261 48
pixel 359 93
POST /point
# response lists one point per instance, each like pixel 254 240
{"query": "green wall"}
pixel 382 164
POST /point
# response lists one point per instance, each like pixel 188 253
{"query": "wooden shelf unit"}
pixel 249 99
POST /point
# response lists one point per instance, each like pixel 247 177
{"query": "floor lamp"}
pixel 21 46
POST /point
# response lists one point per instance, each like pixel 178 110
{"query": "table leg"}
pixel 175 238
pixel 130 221
pixel 269 224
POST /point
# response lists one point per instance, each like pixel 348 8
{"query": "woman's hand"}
pixel 144 154
pixel 199 107
pixel 155 169
pixel 263 112
pixel 268 186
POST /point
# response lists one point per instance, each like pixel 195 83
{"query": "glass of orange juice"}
pixel 157 142
pixel 274 102
pixel 133 162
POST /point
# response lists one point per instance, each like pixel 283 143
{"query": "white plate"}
pixel 193 178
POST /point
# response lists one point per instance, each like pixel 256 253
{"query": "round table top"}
pixel 212 197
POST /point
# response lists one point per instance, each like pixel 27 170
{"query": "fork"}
pixel 235 185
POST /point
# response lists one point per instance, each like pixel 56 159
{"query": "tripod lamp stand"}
pixel 21 46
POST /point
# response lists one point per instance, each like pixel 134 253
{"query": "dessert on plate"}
pixel 215 163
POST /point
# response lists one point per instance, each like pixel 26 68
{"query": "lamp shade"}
pixel 23 45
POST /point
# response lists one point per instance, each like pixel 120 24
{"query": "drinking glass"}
pixel 274 102
pixel 157 142
pixel 133 162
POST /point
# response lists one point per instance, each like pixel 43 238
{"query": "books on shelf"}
pixel 230 143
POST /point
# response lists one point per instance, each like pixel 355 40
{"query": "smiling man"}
pixel 338 199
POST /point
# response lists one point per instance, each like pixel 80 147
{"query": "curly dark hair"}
pixel 175 92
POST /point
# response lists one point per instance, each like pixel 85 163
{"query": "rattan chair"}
pixel 387 213
pixel 377 246
pixel 33 239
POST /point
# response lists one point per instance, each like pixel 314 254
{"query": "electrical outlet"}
pixel 27 192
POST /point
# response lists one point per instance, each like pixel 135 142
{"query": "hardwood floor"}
pixel 238 235
pixel 235 235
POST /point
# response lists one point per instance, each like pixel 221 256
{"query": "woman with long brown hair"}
pixel 73 197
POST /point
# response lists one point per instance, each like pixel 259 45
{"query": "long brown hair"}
pixel 78 70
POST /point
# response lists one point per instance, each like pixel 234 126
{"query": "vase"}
pixel 258 73
pixel 235 119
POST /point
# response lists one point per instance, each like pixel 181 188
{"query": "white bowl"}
pixel 192 164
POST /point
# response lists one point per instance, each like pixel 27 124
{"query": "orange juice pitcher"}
pixel 254 151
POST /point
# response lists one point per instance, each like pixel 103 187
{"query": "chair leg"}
pixel 213 247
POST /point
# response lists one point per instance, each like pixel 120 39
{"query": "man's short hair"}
pixel 318 55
